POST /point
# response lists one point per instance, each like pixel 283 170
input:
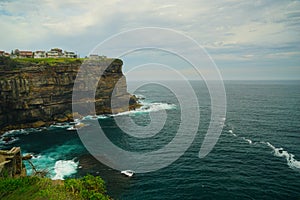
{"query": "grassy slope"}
pixel 49 61
pixel 14 64
pixel 35 188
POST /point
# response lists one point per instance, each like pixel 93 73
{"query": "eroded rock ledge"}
pixel 36 93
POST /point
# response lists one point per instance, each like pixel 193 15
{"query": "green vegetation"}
pixel 36 188
pixel 49 61
pixel 7 63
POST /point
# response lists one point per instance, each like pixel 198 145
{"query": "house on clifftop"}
pixel 53 53
pixel 70 54
pixel 25 54
pixel 40 54
pixel 5 54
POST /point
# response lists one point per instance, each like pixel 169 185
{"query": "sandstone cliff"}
pixel 11 164
pixel 38 92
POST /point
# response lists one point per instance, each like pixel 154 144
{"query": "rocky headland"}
pixel 38 92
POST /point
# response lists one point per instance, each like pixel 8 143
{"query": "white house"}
pixel 53 54
pixel 96 56
pixel 93 56
pixel 70 54
pixel 39 54
pixel 25 54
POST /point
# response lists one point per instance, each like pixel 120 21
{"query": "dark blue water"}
pixel 257 155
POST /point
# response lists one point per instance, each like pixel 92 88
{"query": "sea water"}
pixel 256 157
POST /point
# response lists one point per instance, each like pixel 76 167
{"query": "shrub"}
pixel 36 188
pixel 88 187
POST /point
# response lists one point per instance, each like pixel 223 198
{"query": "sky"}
pixel 247 40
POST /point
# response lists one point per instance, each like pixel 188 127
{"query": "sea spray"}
pixel 149 107
pixel 279 152
pixel 247 140
pixel 41 163
pixel 231 132
pixel 64 168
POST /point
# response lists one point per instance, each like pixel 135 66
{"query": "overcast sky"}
pixel 246 39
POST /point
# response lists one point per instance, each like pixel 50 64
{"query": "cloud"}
pixel 232 30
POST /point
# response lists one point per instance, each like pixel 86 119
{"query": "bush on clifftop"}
pixel 35 188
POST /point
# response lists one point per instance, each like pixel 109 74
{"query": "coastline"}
pixel 37 93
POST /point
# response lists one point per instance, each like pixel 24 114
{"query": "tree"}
pixel 17 52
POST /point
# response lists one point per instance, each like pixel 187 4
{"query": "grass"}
pixel 17 63
pixel 8 64
pixel 36 188
pixel 50 61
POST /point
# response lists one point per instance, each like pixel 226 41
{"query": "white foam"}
pixel 140 96
pixel 9 132
pixel 47 160
pixel 22 131
pixel 11 140
pixel 149 107
pixel 94 117
pixel 231 132
pixel 279 152
pixel 63 168
pixel 153 107
pixel 15 132
pixel 41 162
pixel 36 156
pixel 247 140
pixel 145 108
pixel 60 125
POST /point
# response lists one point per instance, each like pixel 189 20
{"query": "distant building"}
pixel 39 54
pixel 57 50
pixel 25 54
pixel 5 54
pixel 52 54
pixel 96 56
pixel 55 53
pixel 93 56
pixel 70 54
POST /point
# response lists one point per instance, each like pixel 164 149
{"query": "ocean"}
pixel 257 155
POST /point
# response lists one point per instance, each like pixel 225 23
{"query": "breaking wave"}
pixel 59 169
pixel 149 107
pixel 280 152
pixel 56 161
pixel 64 168
pixel 231 132
pixel 146 108
pixel 8 140
pixel 248 140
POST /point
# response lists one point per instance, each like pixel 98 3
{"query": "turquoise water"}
pixel 257 155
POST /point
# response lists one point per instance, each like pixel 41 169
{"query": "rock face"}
pixel 35 94
pixel 11 164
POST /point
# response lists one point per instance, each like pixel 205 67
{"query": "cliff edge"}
pixel 38 92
